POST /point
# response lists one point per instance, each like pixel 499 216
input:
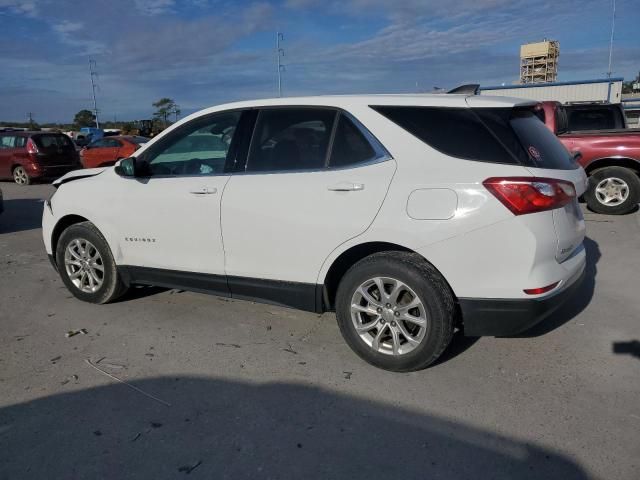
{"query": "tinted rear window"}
pixel 46 141
pixel 499 135
pixel 593 118
pixel 457 132
pixel 350 146
pixel 541 145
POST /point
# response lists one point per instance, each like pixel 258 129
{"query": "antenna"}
pixel 613 27
pixel 93 74
pixel 279 53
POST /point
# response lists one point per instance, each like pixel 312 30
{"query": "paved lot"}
pixel 259 391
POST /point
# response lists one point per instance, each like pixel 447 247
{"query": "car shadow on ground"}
pixel 21 214
pixel 228 429
pixel 578 301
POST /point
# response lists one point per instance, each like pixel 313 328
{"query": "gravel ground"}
pixel 220 388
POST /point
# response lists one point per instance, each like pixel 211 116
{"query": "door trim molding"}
pixel 298 295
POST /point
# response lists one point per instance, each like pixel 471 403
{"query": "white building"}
pixel 600 90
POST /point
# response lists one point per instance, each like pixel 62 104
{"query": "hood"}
pixel 78 174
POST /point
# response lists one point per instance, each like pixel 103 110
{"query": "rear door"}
pixel 54 149
pixel 313 179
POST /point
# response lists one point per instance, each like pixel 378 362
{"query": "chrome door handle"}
pixel 204 191
pixel 346 187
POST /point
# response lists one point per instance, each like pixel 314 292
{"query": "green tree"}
pixel 165 107
pixel 84 118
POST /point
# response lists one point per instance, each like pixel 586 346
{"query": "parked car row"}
pixel 596 133
pixel 26 156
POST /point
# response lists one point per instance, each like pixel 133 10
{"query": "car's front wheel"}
pixel 395 311
pixel 86 264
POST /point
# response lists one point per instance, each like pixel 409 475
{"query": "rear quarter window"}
pixel 457 132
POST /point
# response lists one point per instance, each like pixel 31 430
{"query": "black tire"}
pixel 431 289
pixel 20 176
pixel 627 176
pixel 112 286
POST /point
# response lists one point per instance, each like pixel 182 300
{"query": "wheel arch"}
pixel 346 259
pixel 62 224
pixel 625 162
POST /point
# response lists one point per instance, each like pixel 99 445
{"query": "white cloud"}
pixel 20 7
pixel 155 7
pixel 66 27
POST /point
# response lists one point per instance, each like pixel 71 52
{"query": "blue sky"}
pixel 204 52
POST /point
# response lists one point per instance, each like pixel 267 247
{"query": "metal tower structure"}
pixel 539 61
pixel 279 53
pixel 93 74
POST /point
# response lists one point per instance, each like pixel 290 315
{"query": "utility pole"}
pixel 279 53
pixel 613 27
pixel 30 115
pixel 93 74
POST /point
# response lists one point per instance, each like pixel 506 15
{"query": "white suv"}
pixel 409 216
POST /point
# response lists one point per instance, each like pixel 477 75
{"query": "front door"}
pixel 170 212
pixel 314 178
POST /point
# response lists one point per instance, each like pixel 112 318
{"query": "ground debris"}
pixel 55 359
pixel 133 387
pixel 347 375
pixel 73 333
pixel 189 468
pixel 233 345
pixel 289 349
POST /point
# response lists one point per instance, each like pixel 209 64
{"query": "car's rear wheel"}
pixel 395 311
pixel 86 264
pixel 20 176
pixel 613 191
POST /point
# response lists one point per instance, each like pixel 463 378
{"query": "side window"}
pixel 7 141
pixel 20 142
pixel 350 146
pixel 97 144
pixel 112 143
pixel 199 147
pixel 288 139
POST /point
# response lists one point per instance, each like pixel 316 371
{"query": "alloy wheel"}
pixel 84 266
pixel 388 316
pixel 20 176
pixel 612 191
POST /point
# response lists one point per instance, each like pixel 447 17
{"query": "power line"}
pixel 93 74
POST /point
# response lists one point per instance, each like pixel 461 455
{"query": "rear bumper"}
pixel 51 171
pixel 505 317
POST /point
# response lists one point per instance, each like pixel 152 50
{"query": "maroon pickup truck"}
pixel 608 150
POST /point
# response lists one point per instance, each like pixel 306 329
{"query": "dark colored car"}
pixel 26 156
pixel 108 150
pixel 608 151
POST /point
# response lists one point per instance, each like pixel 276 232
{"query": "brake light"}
pixel 538 291
pixel 524 195
pixel 31 146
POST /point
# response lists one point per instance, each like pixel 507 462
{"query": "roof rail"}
pixel 469 89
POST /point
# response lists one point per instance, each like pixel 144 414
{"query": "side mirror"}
pixel 126 167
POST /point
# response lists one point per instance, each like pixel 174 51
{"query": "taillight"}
pixel 31 146
pixel 524 195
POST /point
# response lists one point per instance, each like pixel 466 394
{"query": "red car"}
pixel 608 151
pixel 108 150
pixel 26 156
